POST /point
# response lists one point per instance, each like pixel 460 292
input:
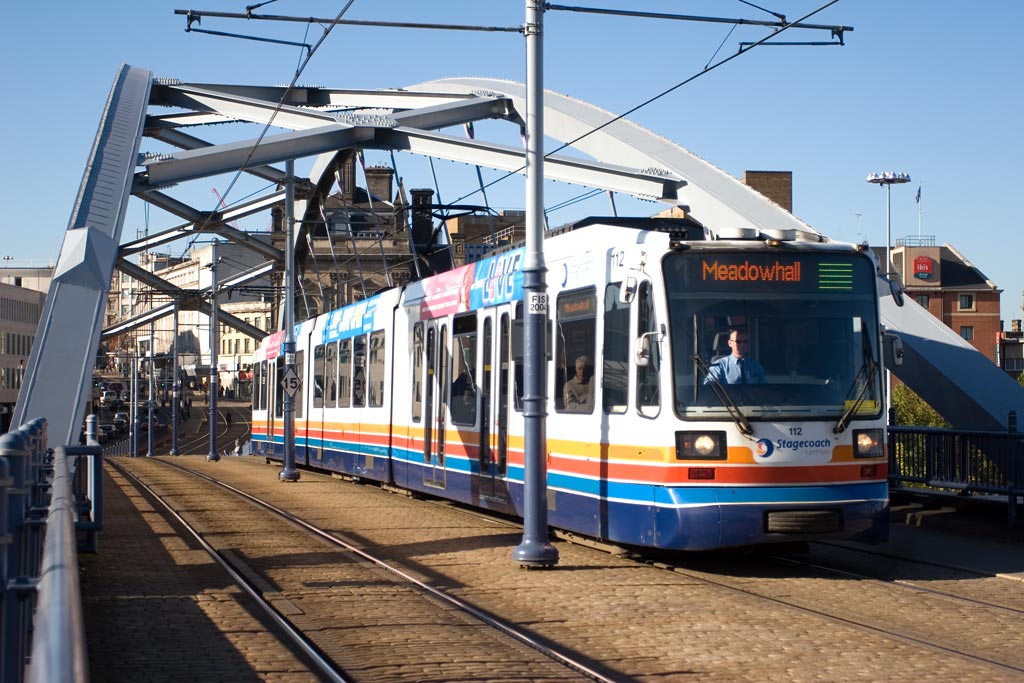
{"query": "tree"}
pixel 911 409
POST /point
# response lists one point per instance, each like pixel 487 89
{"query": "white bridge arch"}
pixel 327 123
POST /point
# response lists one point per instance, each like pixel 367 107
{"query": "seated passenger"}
pixel 579 392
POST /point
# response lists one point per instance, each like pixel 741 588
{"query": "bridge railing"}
pixel 47 499
pixel 927 459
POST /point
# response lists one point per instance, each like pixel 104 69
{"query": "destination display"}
pixel 723 271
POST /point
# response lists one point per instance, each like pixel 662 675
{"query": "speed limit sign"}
pixel 290 382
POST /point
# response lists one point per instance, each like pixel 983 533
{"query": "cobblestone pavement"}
pixel 646 623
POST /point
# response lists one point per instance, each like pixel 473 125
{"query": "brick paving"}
pixel 157 609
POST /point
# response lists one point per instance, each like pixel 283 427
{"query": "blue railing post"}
pixel 6 537
pixel 15 448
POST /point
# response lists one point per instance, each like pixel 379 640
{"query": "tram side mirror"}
pixel 895 345
pixel 642 356
pixel 643 351
pixel 897 349
pixel 896 288
pixel 629 287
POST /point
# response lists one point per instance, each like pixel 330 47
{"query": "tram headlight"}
pixel 868 443
pixel 701 446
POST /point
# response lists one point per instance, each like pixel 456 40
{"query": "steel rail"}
pixel 504 627
pixel 323 665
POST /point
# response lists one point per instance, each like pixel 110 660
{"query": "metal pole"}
pixel 887 400
pixel 289 472
pixel 535 550
pixel 136 422
pixel 175 384
pixel 888 229
pixel 213 455
pixel 152 397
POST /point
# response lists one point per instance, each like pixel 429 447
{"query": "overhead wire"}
pixel 706 70
pixel 280 104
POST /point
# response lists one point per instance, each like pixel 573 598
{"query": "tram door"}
pixel 494 410
pixel 435 405
pixel 275 407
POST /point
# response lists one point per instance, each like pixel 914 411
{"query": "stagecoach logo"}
pixel 784 450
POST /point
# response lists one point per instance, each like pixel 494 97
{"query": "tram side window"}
pixel 648 390
pixel 417 371
pixel 331 375
pixel 518 343
pixel 318 376
pixel 359 372
pixel 575 332
pixel 300 368
pixel 257 385
pixel 463 389
pixel 375 370
pixel 517 354
pixel 279 394
pixel 615 379
pixel 344 373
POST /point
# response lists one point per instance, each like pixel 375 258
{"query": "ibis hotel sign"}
pixel 924 268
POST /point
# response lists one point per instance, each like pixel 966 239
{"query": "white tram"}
pixel 421 387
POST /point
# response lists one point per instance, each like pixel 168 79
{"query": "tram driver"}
pixel 736 367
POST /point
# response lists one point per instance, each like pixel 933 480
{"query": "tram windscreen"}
pixel 805 323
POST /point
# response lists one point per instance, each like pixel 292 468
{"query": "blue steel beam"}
pixel 58 378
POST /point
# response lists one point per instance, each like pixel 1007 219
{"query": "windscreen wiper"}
pixel 723 396
pixel 868 370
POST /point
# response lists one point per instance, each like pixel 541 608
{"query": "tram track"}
pixel 249 576
pixel 720 576
pixel 800 598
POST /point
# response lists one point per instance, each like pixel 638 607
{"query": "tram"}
pixel 421 387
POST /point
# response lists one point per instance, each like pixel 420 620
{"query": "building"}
pixel 953 289
pixel 29 278
pixel 1011 350
pixel 253 302
pixel 20 310
pixel 474 235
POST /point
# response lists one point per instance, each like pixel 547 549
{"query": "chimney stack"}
pixel 775 185
pixel 378 180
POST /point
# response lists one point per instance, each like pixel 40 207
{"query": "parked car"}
pixel 106 433
pixel 120 422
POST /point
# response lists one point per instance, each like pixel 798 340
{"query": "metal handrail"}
pixel 58 642
pixel 930 459
pixel 48 499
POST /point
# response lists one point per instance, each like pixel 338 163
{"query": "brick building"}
pixel 952 288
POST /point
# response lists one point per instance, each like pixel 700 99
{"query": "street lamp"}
pixel 887 180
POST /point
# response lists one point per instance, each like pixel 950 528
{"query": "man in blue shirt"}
pixel 736 368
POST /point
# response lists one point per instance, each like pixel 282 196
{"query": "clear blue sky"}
pixel 928 88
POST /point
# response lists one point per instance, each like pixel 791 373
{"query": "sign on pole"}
pixel 290 382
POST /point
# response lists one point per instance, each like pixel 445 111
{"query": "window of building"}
pixel 923 299
pixel 967 332
pixel 966 302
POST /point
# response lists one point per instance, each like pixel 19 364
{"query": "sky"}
pixel 926 88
